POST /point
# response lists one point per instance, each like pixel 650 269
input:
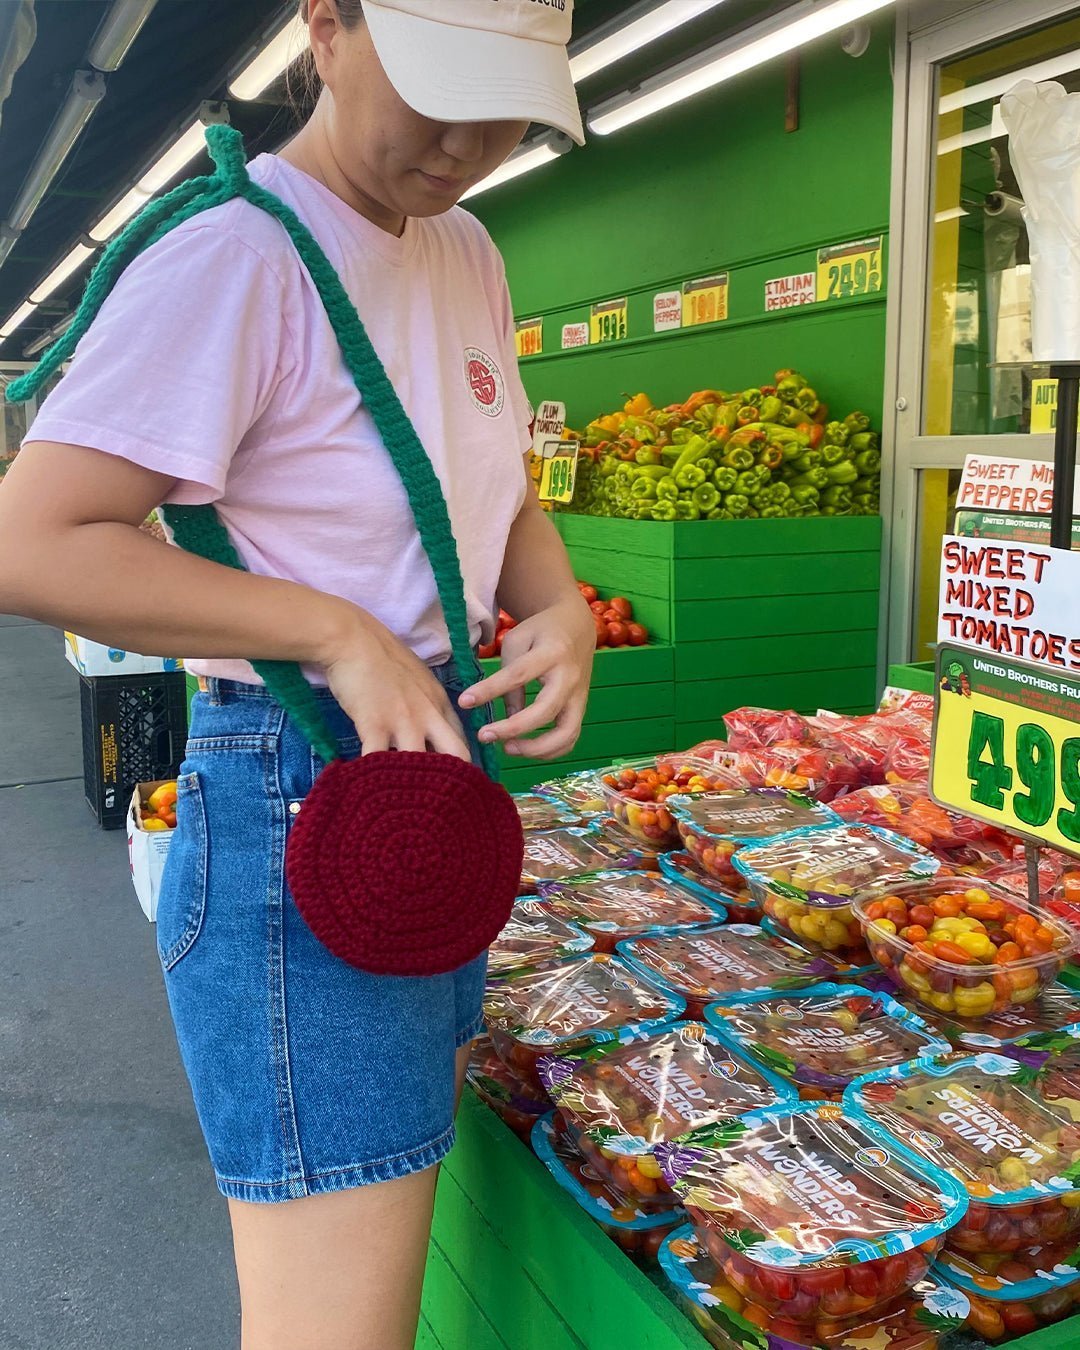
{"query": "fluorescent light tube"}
pixel 520 162
pixel 274 60
pixel 163 170
pixel 19 317
pixel 636 34
pixel 60 274
pixel 980 93
pixel 953 213
pixel 125 209
pixel 803 24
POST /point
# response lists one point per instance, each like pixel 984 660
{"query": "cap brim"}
pixel 469 75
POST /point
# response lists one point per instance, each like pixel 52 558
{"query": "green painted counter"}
pixel 514 1264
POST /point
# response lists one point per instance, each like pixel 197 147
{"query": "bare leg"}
pixel 341 1271
pixel 459 1073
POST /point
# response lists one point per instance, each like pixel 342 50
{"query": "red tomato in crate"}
pixel 601 631
pixel 589 592
pixel 617 635
pixel 622 607
pixel 505 621
pixel 599 608
pixel 486 651
pixel 637 636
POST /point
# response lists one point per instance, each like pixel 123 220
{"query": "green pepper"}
pixel 707 465
pixel 689 477
pixel 647 454
pixel 644 487
pixel 815 478
pixel 685 509
pixel 789 386
pixel 792 415
pixel 807 400
pixel 726 416
pixel 737 504
pixel 749 412
pixel 844 472
pixel 703 418
pixel 706 497
pixel 865 440
pixel 805 495
pixel 832 454
pixel 737 457
pixel 809 459
pixel 746 483
pixel 868 461
pixel 770 456
pixel 772 512
pixel 724 477
pixel 781 492
pixel 770 408
pixel 857 421
pixel 836 433
pixel 695 448
pixel 667 489
pixel 663 510
pixel 837 496
pixel 669 456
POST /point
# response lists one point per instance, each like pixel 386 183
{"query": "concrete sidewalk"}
pixel 112 1233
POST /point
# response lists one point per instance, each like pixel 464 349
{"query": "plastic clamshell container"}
pixel 921 1319
pixel 714 826
pixel 810 1214
pixel 1015 1297
pixel 823 1037
pixel 648 817
pixel 727 960
pixel 621 1099
pixel 907 809
pixel 570 1006
pixel 515 1101
pixel 614 906
pixel 805 880
pixel 540 812
pixel 1056 1008
pixel 845 964
pixel 637 1231
pixel 980 987
pixel 573 851
pixel 581 792
pixel 987 1120
pixel 535 935
pixel 733 893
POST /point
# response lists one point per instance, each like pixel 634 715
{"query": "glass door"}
pixel 965 381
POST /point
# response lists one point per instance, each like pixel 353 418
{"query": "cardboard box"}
pixel 147 850
pixel 95 658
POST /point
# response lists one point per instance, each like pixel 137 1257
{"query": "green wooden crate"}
pixel 515 1264
pixel 805 691
pixel 918 675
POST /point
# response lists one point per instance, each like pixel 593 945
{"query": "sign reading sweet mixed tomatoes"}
pixel 844 270
pixel 529 337
pixel 607 321
pixel 705 300
pixel 1007 745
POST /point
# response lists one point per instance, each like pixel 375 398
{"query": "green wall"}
pixel 714 185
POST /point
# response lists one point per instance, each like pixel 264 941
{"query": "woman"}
pixel 212 375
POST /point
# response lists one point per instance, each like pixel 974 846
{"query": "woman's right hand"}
pixel 393 699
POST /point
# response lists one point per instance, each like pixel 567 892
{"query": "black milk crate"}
pixel 134 728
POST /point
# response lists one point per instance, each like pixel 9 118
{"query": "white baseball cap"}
pixel 479 60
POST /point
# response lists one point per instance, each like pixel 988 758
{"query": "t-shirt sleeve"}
pixel 519 405
pixel 181 362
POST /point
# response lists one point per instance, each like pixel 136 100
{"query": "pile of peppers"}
pixel 764 452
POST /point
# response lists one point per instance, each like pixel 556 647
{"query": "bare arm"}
pixel 71 554
pixel 553 642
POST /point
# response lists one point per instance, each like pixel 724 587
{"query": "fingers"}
pixel 539 713
pixel 559 741
pixel 515 675
pixel 428 727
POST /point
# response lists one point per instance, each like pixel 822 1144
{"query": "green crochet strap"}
pixel 198 529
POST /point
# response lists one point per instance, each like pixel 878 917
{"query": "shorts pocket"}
pixel 182 906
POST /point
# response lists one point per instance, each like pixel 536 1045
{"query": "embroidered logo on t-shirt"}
pixel 485 381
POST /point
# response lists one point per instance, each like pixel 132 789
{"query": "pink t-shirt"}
pixel 213 361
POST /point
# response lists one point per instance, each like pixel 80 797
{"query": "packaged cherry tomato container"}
pixel 574 851
pixel 985 1120
pixel 907 809
pixel 823 775
pixel 639 1232
pixel 932 1315
pixel 733 893
pixel 805 880
pixel 1056 1009
pixel 715 826
pixel 570 1006
pixel 636 794
pixel 580 792
pixel 811 1215
pixel 1014 1295
pixel 710 963
pixel 825 1037
pixel 964 950
pixel 512 1099
pixel 621 1099
pixel 540 812
pixel 614 906
pixel 535 936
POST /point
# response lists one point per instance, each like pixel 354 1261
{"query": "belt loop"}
pixel 213 693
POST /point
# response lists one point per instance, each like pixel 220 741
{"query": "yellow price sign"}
pixel 529 337
pixel 607 321
pixel 1006 745
pixel 845 270
pixel 705 300
pixel 559 473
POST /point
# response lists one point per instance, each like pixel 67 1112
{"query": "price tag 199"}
pixel 607 321
pixel 559 472
pixel 844 270
pixel 1007 745
pixel 705 300
pixel 529 337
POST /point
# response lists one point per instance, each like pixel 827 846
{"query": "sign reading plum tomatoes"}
pixel 1006 745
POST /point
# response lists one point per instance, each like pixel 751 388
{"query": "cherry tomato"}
pixel 623 607
pixel 486 651
pixel 598 607
pixel 637 636
pixel 589 592
pixel 617 635
pixel 863 1279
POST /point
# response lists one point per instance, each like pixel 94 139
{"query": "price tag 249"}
pixel 559 473
pixel 845 270
pixel 1007 745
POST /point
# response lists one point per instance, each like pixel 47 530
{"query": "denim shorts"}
pixel 308 1076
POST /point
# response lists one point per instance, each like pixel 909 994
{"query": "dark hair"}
pixel 304 84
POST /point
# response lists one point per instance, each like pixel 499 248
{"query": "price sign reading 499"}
pixel 1007 745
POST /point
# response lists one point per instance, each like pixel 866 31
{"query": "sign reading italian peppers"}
pixel 529 337
pixel 607 321
pixel 1007 745
pixel 705 300
pixel 785 292
pixel 845 270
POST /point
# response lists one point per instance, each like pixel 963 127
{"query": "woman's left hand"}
pixel 555 648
